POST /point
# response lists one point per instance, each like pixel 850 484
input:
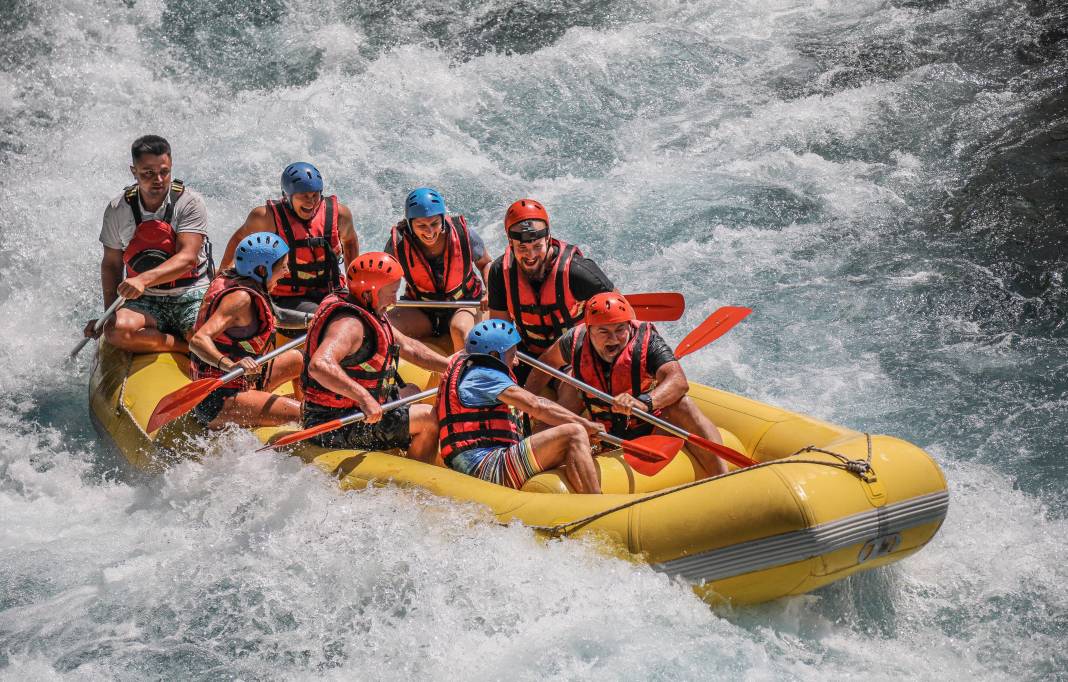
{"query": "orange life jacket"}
pixel 314 248
pixel 542 316
pixel 627 374
pixel 231 346
pixel 156 241
pixel 459 280
pixel 378 374
pixel 461 427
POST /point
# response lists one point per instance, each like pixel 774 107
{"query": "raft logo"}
pixel 878 547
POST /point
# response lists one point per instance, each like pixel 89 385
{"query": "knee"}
pixel 575 435
pixel 461 323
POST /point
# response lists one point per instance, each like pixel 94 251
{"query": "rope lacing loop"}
pixel 860 467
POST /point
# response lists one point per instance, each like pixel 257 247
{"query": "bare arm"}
pixel 235 309
pixel 258 220
pixel 570 398
pixel 346 231
pixel 671 385
pixel 111 266
pixel 417 353
pixel 538 380
pixel 184 260
pixel 343 337
pixel 544 410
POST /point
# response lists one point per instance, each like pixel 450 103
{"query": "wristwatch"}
pixel 648 400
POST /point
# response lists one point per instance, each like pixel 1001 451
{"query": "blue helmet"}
pixel 423 203
pixel 261 248
pixel 492 336
pixel 301 177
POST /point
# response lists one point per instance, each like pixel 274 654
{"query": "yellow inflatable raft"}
pixel 824 502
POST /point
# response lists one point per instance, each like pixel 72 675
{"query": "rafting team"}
pixel 282 272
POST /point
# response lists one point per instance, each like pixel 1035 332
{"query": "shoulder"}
pixel 586 272
pixel 343 211
pixel 189 198
pixel 235 298
pixel 118 205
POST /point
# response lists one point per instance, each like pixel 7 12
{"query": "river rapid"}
pixel 884 183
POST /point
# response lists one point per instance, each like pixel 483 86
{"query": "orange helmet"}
pixel 608 308
pixel 372 271
pixel 519 216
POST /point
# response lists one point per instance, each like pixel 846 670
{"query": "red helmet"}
pixel 608 308
pixel 519 214
pixel 372 271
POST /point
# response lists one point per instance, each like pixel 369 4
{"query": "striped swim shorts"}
pixel 509 466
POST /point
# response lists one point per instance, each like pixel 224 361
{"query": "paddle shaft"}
pixel 386 407
pixel 736 457
pixel 99 325
pixel 437 304
pixel 233 374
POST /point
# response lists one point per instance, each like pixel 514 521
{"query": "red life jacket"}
pixel 542 317
pixel 461 427
pixel 314 247
pixel 233 347
pixel 458 282
pixel 627 374
pixel 378 374
pixel 156 241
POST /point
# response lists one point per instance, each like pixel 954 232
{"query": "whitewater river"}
pixel 882 182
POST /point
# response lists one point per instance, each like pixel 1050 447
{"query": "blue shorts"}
pixel 509 466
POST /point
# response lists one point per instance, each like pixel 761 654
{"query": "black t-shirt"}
pixel 586 280
pixel 659 352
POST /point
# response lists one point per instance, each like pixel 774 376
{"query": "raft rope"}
pixel 860 467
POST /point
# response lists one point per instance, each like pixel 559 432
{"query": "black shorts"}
pixel 209 408
pixel 389 433
pixel 439 320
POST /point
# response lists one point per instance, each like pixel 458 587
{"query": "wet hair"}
pixel 149 144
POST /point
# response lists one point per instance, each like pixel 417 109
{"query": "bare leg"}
pixel 423 427
pixel 411 322
pixel 257 408
pixel 685 414
pixel 136 332
pixel 286 367
pixel 568 445
pixel 461 323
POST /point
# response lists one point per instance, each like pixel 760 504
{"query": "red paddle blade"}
pixel 716 325
pixel 179 402
pixel 298 436
pixel 649 454
pixel 666 306
pixel 729 454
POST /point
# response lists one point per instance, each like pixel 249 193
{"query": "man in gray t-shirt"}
pixel 156 255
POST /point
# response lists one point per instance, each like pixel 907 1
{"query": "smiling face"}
pixel 280 270
pixel 531 256
pixel 305 203
pixel 609 340
pixel 428 230
pixel 153 175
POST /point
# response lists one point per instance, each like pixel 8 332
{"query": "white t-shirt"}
pixel 190 215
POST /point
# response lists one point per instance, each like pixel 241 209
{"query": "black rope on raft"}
pixel 858 467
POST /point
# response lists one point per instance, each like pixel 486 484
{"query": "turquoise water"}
pixel 840 168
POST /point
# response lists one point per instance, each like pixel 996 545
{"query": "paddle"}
pixel 729 454
pixel 98 326
pixel 179 402
pixel 665 306
pixel 716 325
pixel 335 424
pixel 436 304
pixel 648 454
